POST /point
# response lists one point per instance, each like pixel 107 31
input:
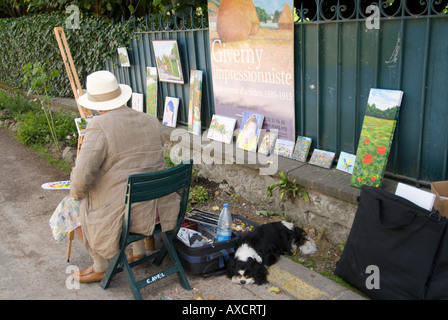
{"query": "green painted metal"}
pixel 337 60
pixel 146 187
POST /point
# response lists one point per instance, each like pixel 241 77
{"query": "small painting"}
pixel 221 129
pixel 322 158
pixel 302 148
pixel 123 57
pixel 170 112
pixel 346 162
pixel 194 104
pixel 137 101
pixel 268 143
pixel 284 148
pixel 81 125
pixel 376 137
pixel 249 131
pixel 151 91
pixel 168 61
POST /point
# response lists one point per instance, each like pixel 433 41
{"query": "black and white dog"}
pixel 261 248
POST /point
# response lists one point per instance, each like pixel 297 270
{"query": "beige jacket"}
pixel 117 144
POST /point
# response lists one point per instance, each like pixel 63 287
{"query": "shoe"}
pixel 150 243
pixel 88 275
pixel 131 258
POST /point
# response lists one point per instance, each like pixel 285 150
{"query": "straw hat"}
pixel 104 92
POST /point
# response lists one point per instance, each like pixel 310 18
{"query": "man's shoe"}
pixel 131 258
pixel 88 275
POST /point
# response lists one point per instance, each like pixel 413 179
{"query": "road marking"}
pixel 294 285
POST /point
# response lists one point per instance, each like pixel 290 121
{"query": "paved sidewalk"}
pixel 34 266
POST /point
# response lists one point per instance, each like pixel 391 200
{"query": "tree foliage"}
pixel 107 8
pixel 31 39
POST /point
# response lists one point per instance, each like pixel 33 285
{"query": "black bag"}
pixel 406 244
pixel 208 260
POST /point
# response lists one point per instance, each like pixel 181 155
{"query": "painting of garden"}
pixel 151 91
pixel 376 137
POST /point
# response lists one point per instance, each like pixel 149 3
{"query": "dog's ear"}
pixel 260 274
pixel 231 267
pixel 300 236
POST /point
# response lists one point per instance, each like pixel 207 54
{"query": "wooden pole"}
pixel 77 92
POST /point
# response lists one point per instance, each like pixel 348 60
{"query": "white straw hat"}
pixel 104 92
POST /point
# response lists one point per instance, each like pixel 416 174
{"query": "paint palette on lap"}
pixel 57 185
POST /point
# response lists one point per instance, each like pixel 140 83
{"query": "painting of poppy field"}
pixel 376 137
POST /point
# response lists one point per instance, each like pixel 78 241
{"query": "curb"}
pixel 305 284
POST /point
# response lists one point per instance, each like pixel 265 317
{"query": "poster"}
pixel 252 58
pixel 194 104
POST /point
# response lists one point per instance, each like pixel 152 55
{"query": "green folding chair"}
pixel 146 187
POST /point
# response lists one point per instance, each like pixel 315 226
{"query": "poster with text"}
pixel 252 57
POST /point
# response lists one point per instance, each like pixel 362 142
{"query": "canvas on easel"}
pixel 376 137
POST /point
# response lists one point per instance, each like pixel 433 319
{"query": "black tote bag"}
pixel 399 239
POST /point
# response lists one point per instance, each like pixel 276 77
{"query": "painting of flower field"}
pixel 376 137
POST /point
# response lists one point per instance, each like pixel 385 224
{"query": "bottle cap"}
pixel 226 205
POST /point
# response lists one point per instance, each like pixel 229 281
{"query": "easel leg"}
pixel 71 236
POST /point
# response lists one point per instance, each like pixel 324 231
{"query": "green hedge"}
pixel 31 39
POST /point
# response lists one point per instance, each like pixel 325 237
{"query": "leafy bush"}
pixel 16 104
pixel 199 195
pixel 33 128
pixel 32 39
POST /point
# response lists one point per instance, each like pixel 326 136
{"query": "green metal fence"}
pixel 337 60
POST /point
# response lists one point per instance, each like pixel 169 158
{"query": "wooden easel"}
pixel 77 92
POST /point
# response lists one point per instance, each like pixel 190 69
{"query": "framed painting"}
pixel 268 143
pixel 137 101
pixel 194 104
pixel 151 90
pixel 169 66
pixel 302 148
pixel 284 148
pixel 376 137
pixel 322 158
pixel 221 129
pixel 123 57
pixel 249 131
pixel 170 112
pixel 346 162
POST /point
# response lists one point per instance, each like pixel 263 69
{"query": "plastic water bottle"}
pixel 225 224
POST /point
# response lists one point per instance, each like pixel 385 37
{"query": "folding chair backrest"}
pixel 151 186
